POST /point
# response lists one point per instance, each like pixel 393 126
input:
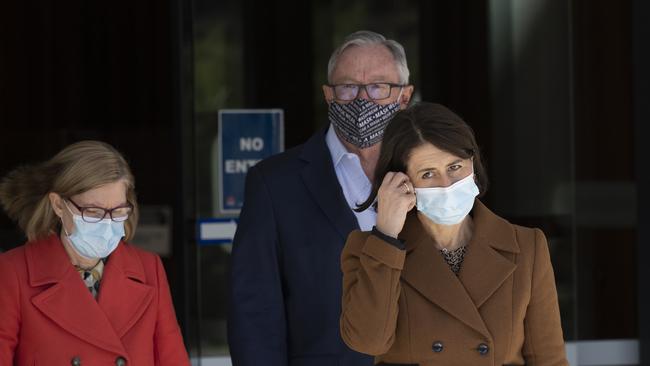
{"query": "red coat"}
pixel 48 316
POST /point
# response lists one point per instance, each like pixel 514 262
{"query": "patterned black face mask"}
pixel 361 122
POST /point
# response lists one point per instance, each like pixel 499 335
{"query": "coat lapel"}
pixel 486 265
pixel 427 272
pixel 123 294
pixel 484 268
pixel 320 178
pixel 67 302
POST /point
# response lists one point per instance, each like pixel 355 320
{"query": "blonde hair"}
pixel 76 169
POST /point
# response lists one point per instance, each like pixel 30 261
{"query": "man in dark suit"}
pixel 285 298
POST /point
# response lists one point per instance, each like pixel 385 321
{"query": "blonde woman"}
pixel 77 293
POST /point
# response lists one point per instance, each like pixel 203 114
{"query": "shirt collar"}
pixel 337 150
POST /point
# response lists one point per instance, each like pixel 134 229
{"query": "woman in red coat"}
pixel 77 293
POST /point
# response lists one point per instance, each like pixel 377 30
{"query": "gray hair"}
pixel 368 38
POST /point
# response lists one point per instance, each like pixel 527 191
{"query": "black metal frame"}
pixel 641 58
pixel 184 247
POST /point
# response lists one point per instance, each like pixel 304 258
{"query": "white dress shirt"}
pixel 354 182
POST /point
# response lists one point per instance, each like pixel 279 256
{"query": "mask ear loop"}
pixel 401 89
pixel 471 158
pixel 62 224
pixel 473 171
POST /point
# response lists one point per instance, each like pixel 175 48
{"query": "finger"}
pixel 411 188
pixel 386 185
pixel 406 204
pixel 411 206
pixel 399 178
pixel 413 203
pixel 405 188
pixel 387 178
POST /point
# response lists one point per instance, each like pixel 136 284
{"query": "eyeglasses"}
pixel 375 91
pixel 97 214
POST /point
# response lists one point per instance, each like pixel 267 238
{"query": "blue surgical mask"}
pixel 97 239
pixel 448 205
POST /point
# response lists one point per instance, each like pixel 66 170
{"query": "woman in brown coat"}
pixel 449 283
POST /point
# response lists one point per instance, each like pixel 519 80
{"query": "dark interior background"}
pixel 123 72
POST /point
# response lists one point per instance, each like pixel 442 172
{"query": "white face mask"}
pixel 95 240
pixel 448 205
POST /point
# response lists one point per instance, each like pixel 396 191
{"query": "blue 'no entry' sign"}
pixel 246 136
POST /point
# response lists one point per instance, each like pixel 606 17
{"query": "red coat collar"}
pixel 48 262
pixel 123 298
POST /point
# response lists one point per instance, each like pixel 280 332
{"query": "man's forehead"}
pixel 365 64
pixel 366 79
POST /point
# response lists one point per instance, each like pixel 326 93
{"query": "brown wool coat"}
pixel 407 306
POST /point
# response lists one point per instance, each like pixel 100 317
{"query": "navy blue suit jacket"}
pixel 285 298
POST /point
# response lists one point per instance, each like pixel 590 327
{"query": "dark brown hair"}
pixel 423 123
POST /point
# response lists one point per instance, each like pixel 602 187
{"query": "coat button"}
pixel 483 349
pixel 76 361
pixel 437 347
pixel 120 361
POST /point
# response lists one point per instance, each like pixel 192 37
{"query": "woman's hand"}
pixel 395 198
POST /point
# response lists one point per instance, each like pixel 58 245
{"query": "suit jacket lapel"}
pixel 483 271
pixel 123 294
pixel 320 179
pixel 68 302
